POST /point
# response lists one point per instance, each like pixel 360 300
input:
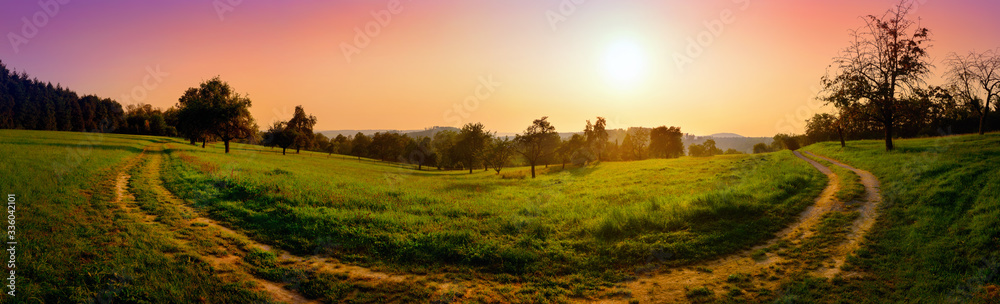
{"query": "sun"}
pixel 624 64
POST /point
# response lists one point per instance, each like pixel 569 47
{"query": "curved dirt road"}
pixel 671 285
pixel 663 286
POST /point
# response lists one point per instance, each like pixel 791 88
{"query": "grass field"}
pixel 582 227
pixel 936 239
pixel 75 245
pixel 567 220
pixel 564 234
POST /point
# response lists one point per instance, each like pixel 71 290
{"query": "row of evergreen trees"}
pixel 27 103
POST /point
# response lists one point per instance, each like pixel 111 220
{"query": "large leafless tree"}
pixel 975 78
pixel 887 58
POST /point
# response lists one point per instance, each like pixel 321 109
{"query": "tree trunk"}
pixel 283 150
pixel 532 170
pixel 840 131
pixel 888 136
pixel 297 149
pixel 982 119
pixel 227 145
pixel 203 142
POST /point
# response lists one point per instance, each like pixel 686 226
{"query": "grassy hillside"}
pixel 75 245
pixel 936 239
pixel 560 235
pixel 563 222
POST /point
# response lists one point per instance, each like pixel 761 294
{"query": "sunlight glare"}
pixel 624 64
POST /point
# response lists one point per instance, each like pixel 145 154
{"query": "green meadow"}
pixel 590 224
pixel 572 221
pixel 937 236
pixel 565 234
pixel 75 245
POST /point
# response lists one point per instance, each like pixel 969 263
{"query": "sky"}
pixel 749 67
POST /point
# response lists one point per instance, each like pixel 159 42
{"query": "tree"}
pixel 574 150
pixel 388 146
pixel 976 79
pixel 443 144
pixel 234 120
pixel 535 143
pixel 215 109
pixel 192 115
pixel 304 125
pixel 666 142
pixel 597 137
pixel 144 119
pixel 420 151
pixel 498 153
pixel 340 145
pixel 887 56
pixel 786 141
pixel 469 145
pixel 707 148
pixel 823 127
pixel 280 135
pixel 760 148
pixel 635 143
pixel 360 145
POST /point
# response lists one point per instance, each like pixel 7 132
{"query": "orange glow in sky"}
pixel 743 66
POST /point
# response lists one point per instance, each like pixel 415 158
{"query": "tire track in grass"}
pixel 867 211
pixel 228 264
pixel 313 263
pixel 760 268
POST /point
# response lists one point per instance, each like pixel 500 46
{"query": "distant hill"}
pixel 742 144
pixel 429 132
pixel 723 141
pixel 726 135
pixel 350 133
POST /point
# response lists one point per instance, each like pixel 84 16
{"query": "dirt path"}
pixel 228 246
pixel 671 285
pixel 867 213
pixel 217 237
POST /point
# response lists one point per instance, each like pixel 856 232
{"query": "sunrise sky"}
pixel 524 59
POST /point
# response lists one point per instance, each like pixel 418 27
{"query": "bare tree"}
pixel 887 57
pixel 976 80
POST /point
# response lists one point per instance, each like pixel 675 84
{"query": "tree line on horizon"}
pixel 473 146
